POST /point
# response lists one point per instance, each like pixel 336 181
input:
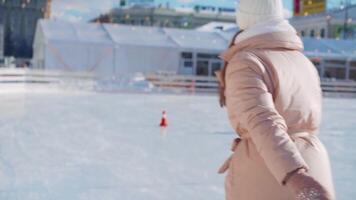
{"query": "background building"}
pixel 308 7
pixel 19 20
pixel 338 24
pixel 114 50
pixel 1 43
pixel 137 2
pixel 164 16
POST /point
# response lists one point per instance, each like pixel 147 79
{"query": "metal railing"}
pixel 210 84
pixel 192 84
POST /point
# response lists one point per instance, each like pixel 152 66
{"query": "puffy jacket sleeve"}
pixel 250 106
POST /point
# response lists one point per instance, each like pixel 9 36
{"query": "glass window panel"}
pixel 318 68
pixel 312 33
pixel 187 55
pixel 188 64
pixel 215 66
pixel 204 55
pixel 337 62
pixel 353 74
pixel 353 64
pixel 202 68
pixel 322 33
pixel 333 72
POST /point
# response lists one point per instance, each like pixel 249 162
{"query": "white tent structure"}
pixel 102 49
pixel 112 49
pixel 219 26
pixel 142 49
pixel 65 46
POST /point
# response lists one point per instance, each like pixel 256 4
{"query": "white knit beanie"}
pixel 251 12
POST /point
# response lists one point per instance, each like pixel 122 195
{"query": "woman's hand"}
pixel 305 187
pixel 222 99
pixel 220 74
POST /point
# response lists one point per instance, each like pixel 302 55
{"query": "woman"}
pixel 273 98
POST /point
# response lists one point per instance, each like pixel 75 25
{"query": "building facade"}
pixel 337 24
pixel 112 49
pixel 164 16
pixel 19 18
pixel 137 2
pixel 1 43
pixel 308 7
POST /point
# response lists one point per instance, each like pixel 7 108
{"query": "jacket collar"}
pixel 286 40
pixel 272 34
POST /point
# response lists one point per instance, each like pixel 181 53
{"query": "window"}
pixel 353 70
pixel 200 64
pixel 203 68
pixel 353 64
pixel 335 69
pixel 207 64
pixel 335 72
pixel 312 33
pixel 317 64
pixel 353 74
pixel 215 66
pixel 322 33
pixel 207 56
pixel 188 64
pixel 341 63
pixel 302 33
pixel 187 55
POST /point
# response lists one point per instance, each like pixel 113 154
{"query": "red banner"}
pixel 296 4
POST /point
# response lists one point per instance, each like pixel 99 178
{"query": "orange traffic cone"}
pixel 164 122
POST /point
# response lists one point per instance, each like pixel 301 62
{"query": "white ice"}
pixel 101 146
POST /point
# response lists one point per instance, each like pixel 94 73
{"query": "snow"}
pixel 86 145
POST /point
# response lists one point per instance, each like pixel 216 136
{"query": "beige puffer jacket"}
pixel 273 98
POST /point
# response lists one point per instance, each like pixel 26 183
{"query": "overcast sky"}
pixel 83 10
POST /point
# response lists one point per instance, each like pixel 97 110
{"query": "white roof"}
pixel 130 35
pixel 138 35
pixel 219 26
pixel 192 39
pixel 68 31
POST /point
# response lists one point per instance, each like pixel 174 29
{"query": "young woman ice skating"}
pixel 273 98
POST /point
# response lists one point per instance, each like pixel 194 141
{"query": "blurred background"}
pixel 102 37
pixel 86 84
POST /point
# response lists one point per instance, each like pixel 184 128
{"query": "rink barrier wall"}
pixel 72 80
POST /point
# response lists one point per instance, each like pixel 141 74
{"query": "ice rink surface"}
pixel 100 146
